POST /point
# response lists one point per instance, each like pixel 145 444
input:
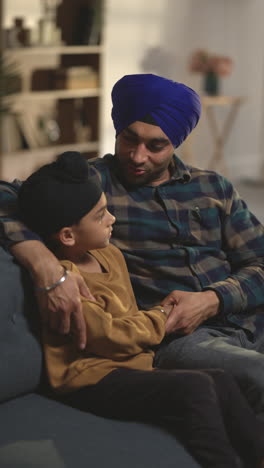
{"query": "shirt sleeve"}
pixel 243 243
pixel 12 230
pixel 118 338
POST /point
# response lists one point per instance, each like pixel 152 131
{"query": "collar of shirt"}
pixel 179 172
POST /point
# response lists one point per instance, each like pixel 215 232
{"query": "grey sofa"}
pixel 38 431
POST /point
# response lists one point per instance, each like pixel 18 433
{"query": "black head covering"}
pixel 58 194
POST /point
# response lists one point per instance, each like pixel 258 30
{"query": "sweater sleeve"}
pixel 117 338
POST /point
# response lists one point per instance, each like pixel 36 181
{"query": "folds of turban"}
pixel 175 107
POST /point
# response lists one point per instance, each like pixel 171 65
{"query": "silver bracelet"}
pixel 54 285
pixel 160 309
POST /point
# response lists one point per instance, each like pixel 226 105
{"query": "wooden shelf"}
pixel 56 94
pixel 56 50
pixel 89 147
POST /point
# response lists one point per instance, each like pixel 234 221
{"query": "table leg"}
pixel 220 137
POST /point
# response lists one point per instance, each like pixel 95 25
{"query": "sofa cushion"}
pixel 39 432
pixel 20 351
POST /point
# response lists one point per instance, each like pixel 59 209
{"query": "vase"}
pixel 211 84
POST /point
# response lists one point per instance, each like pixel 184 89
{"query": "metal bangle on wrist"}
pixel 54 285
pixel 160 309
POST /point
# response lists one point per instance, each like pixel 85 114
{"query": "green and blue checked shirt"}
pixel 191 233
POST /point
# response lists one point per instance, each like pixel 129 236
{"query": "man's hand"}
pixel 190 309
pixel 61 308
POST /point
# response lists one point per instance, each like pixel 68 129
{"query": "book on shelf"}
pixel 23 131
pixel 27 127
pixel 12 139
pixel 43 79
pixel 97 24
pixel 79 77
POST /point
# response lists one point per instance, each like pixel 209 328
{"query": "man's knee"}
pixel 204 349
pixel 188 352
pixel 174 352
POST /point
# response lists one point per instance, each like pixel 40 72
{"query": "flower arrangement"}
pixel 212 67
pixel 204 62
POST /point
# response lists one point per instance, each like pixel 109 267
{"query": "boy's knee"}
pixel 223 379
pixel 200 383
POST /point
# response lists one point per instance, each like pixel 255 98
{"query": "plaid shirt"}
pixel 190 233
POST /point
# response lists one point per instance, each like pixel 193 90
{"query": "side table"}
pixel 220 135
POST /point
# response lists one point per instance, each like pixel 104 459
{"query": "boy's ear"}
pixel 66 236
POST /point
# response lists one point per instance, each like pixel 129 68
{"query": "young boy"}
pixel 114 375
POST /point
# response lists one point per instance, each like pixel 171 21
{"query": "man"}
pixel 184 233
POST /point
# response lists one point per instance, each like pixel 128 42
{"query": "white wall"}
pixel 131 29
pixel 159 37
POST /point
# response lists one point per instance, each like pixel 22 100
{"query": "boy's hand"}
pixel 61 308
pixel 167 309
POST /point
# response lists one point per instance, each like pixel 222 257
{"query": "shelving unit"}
pixel 88 49
pixel 85 147
pixel 53 98
pixel 58 94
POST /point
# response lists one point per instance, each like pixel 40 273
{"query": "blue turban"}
pixel 175 107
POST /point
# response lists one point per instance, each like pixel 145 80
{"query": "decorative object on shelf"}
pixel 18 35
pixel 212 67
pixel 211 85
pixel 81 77
pixel 49 33
pixel 45 33
pixel 49 128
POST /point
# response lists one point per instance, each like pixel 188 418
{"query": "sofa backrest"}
pixel 20 351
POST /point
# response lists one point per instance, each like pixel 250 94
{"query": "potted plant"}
pixel 212 67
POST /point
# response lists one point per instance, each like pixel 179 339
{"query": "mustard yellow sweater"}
pixel 118 334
